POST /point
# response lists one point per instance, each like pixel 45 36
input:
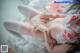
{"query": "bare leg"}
pixel 21 28
pixel 27 11
pixel 62 48
pixel 36 31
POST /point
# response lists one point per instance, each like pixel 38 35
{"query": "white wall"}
pixel 8 11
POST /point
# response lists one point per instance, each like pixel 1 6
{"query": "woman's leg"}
pixel 62 48
pixel 22 28
pixel 18 27
pixel 28 12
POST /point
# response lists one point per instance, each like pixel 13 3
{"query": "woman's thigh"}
pixel 61 48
